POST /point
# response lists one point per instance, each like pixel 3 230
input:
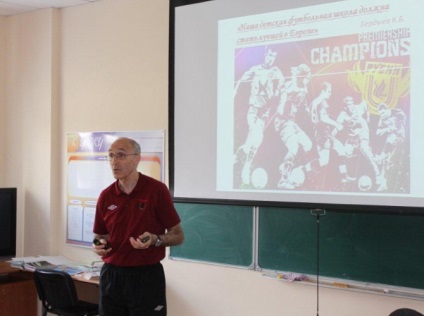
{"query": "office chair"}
pixel 58 295
pixel 405 312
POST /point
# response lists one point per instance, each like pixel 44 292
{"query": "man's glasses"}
pixel 118 156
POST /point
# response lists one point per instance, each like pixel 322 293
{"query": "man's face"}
pixel 121 168
pixel 306 79
pixel 384 112
pixel 327 92
pixel 350 105
pixel 270 57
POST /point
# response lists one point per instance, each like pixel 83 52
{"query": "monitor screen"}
pixel 297 102
pixel 7 222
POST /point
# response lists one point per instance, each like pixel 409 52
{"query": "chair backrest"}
pixel 55 288
pixel 405 312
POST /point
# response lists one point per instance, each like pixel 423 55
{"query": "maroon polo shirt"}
pixel 148 207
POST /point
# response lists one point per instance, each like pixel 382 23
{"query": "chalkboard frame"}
pixel 219 234
pixel 355 246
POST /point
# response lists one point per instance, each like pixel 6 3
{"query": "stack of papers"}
pixel 42 264
pixel 94 275
pixel 58 263
pixel 17 264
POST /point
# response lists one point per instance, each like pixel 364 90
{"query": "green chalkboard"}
pixel 375 248
pixel 220 234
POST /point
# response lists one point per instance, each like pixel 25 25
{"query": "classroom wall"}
pixel 104 66
pixel 2 95
pixel 30 127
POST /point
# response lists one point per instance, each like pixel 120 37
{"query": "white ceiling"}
pixel 13 7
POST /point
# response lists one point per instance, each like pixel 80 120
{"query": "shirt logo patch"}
pixel 112 207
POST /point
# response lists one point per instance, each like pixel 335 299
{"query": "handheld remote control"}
pixel 98 243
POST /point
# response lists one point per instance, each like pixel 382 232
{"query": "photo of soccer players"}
pixel 320 125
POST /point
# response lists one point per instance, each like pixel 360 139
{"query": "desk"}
pixel 18 295
pixel 88 290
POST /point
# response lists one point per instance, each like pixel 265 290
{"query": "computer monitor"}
pixel 8 222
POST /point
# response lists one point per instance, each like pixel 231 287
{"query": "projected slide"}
pixel 321 100
pixel 299 102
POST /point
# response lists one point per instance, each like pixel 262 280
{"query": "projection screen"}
pixel 297 102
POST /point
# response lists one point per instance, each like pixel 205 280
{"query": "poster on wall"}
pixel 88 173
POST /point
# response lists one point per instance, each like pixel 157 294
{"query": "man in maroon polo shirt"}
pixel 135 220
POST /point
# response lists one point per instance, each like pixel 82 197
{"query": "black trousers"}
pixel 132 291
